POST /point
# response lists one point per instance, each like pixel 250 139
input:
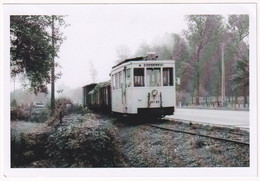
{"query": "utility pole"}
pixel 223 75
pixel 53 71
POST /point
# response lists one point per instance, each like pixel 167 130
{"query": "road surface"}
pixel 218 117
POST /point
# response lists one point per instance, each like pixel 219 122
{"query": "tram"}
pixel 143 86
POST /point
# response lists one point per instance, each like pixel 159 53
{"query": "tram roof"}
pixel 129 60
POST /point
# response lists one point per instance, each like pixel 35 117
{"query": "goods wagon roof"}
pixel 90 85
pixel 102 84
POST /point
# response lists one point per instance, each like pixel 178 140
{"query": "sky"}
pixel 96 30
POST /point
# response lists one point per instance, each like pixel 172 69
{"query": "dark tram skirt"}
pixel 156 111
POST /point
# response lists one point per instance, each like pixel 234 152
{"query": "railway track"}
pixel 167 128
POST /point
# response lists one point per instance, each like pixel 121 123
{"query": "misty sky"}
pixel 96 31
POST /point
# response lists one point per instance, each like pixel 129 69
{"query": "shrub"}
pixel 76 109
pixel 77 142
pixel 26 145
pixel 39 116
pixel 18 113
pixel 64 106
pixel 84 142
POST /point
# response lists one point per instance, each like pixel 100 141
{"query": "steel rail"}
pixel 197 134
pixel 241 134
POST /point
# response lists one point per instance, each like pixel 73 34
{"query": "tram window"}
pixel 153 77
pixel 117 80
pixel 113 82
pixel 138 77
pixel 128 77
pixel 128 73
pixel 167 76
pixel 120 80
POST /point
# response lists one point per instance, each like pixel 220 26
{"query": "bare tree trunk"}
pixel 198 78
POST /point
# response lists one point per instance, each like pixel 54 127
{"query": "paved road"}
pixel 218 117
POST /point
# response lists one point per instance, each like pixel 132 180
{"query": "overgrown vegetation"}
pixel 68 139
pixel 27 142
pixel 84 142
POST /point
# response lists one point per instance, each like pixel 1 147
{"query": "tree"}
pixel 241 78
pixel 238 26
pixel 201 31
pixel 184 69
pixel 180 55
pixel 32 50
pixel 123 52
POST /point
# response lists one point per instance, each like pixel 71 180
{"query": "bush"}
pixel 39 116
pixel 84 142
pixel 63 107
pixel 18 113
pixel 26 145
pixel 76 109
pixel 77 142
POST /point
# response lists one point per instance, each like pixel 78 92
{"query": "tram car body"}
pixel 138 86
pixel 144 86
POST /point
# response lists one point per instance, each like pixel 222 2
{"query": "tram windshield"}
pixel 138 77
pixel 153 77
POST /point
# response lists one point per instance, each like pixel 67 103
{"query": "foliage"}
pixel 76 109
pixel 77 142
pixel 202 30
pixel 29 113
pixel 239 28
pixel 31 49
pixel 84 142
pixel 39 116
pixel 198 53
pixel 241 78
pixel 64 106
pixel 25 96
pixel 27 142
pixel 61 109
pixel 17 113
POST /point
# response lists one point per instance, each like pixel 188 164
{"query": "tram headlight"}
pixel 154 92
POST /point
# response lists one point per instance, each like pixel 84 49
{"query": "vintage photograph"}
pixel 131 85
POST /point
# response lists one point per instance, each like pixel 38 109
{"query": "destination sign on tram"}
pixel 154 65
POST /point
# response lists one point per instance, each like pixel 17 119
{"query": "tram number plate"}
pixel 151 102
